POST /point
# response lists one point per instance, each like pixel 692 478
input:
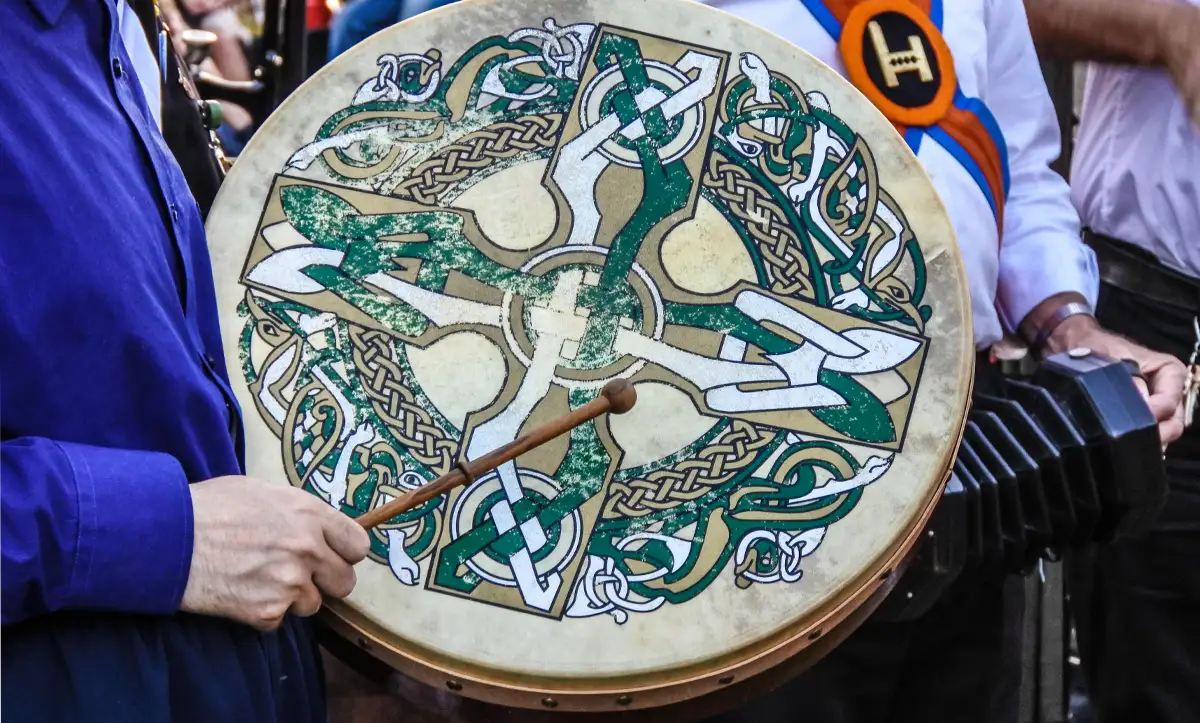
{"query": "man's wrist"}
pixel 1055 321
pixel 1070 333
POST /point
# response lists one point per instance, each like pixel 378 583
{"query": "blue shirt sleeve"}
pixel 91 528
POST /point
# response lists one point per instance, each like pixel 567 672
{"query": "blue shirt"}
pixel 113 397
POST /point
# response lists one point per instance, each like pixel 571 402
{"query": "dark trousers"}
pixel 1137 602
pixel 106 668
pixel 959 663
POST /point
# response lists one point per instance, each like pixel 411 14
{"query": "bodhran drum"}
pixel 469 223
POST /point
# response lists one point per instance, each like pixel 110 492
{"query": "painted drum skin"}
pixel 469 223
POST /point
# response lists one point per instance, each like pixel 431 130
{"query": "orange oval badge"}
pixel 896 57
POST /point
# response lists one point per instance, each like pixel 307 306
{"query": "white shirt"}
pixel 1135 173
pixel 994 59
pixel 145 66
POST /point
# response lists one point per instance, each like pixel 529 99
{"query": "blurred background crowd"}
pixel 225 40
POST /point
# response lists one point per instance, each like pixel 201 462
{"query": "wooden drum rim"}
pixel 618 694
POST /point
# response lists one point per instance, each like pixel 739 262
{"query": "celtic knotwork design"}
pixel 375 276
pixel 783 253
pixel 475 152
pixel 806 155
pixel 778 515
pixel 766 556
pixel 395 403
pixel 564 49
pixel 766 118
pixel 690 479
pixel 410 78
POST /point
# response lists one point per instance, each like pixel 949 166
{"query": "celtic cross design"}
pixel 356 275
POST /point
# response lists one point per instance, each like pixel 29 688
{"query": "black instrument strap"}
pixel 183 128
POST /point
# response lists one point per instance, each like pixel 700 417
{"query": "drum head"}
pixel 470 222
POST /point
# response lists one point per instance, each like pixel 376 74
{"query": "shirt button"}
pixel 211 361
pixel 118 69
pixel 174 212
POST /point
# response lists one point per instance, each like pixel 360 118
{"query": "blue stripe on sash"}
pixel 824 17
pixel 912 136
pixel 989 122
pixel 960 154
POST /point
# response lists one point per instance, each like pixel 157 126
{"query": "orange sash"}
pixel 894 54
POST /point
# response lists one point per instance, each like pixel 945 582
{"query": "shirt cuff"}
pixel 135 530
pixel 1036 280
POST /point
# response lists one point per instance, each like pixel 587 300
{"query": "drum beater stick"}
pixel 617 397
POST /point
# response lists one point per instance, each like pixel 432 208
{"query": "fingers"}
pixel 1172 429
pixel 346 537
pixel 315 571
pixel 1166 387
pixel 1167 404
pixel 307 602
pixel 341 542
pixel 264 551
pixel 268 624
pixel 1167 382
pixel 1162 383
pixel 1164 406
pixel 334 576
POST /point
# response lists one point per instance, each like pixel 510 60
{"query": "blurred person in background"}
pixel 227 56
pixel 359 19
pixel 1135 177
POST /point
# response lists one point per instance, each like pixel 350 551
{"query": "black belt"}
pixel 1138 272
